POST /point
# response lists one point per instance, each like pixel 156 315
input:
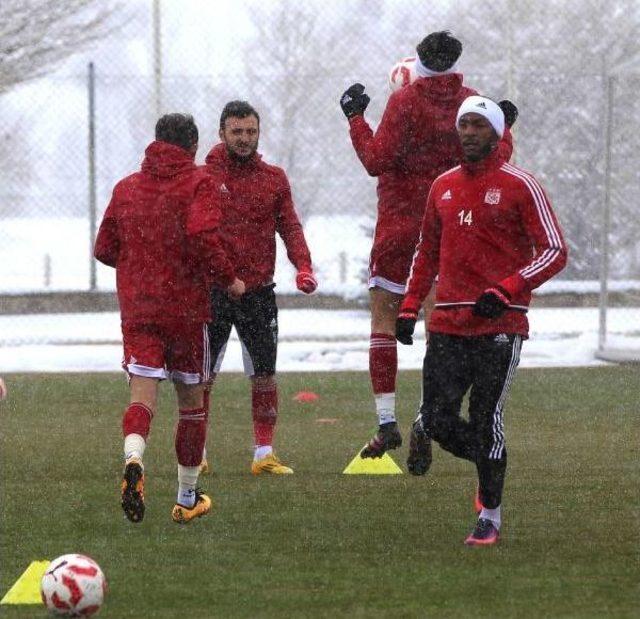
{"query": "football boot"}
pixel 133 490
pixel 270 464
pixel 387 437
pixel 201 507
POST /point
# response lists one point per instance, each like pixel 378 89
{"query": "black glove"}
pixel 405 326
pixel 510 112
pixel 492 303
pixel 354 101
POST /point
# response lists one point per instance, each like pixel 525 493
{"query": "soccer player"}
pixel 260 205
pixel 159 233
pixel 415 142
pixel 491 236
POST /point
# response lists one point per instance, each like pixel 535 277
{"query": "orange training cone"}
pixel 306 396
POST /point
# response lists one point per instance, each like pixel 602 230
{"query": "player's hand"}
pixel 405 326
pixel 354 101
pixel 492 303
pixel 236 289
pixel 510 112
pixel 306 282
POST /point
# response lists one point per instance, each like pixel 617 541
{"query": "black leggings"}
pixel 485 365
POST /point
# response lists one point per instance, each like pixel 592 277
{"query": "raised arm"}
pixel 378 151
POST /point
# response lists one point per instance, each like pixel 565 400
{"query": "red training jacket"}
pixel 416 141
pixel 486 223
pixel 258 205
pixel 159 233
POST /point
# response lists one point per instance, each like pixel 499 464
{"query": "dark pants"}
pixel 485 365
pixel 255 317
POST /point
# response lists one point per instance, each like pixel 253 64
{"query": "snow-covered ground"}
pixel 310 341
pixel 54 254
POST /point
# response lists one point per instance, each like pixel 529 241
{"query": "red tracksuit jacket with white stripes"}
pixel 485 223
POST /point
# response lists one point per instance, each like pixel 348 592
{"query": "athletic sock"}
pixel 187 480
pixel 385 407
pixel 383 367
pixel 264 410
pixel 262 451
pixel 493 515
pixel 191 436
pixel 134 446
pixel 136 423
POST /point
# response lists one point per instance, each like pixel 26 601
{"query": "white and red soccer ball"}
pixel 73 585
pixel 402 73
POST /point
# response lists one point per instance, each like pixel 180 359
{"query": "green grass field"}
pixel 323 544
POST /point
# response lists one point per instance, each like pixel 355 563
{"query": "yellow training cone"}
pixel 372 466
pixel 26 590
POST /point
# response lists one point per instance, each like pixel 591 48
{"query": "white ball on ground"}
pixel 73 586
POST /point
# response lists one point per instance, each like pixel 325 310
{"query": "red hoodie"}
pixel 259 205
pixel 147 235
pixel 415 142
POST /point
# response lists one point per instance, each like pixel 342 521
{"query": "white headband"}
pixel 422 71
pixel 485 107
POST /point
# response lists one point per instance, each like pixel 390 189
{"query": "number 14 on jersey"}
pixel 465 217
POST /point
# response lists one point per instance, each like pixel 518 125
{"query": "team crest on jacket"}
pixel 492 196
pixel 446 195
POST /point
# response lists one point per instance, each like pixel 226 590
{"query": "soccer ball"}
pixel 402 73
pixel 73 585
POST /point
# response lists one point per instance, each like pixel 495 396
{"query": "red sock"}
pixel 191 436
pixel 383 362
pixel 264 409
pixel 137 420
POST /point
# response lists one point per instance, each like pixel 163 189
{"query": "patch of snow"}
pixel 310 341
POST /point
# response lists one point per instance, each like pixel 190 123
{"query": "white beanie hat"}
pixel 485 107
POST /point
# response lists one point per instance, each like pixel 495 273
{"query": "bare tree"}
pixel 296 67
pixel 36 35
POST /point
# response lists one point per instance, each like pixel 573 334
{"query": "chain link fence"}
pixel 577 132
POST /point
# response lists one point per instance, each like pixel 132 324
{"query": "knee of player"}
pixel 492 448
pixel 264 381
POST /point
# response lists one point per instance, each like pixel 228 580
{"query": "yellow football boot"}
pixel 182 514
pixel 270 464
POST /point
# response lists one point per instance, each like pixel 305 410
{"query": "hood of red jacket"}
pixel 164 160
pixel 440 87
pixel 218 157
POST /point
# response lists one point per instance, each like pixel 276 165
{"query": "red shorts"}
pixel 178 351
pixel 390 261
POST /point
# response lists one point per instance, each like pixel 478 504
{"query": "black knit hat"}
pixel 439 51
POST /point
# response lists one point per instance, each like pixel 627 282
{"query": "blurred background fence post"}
pixel 91 89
